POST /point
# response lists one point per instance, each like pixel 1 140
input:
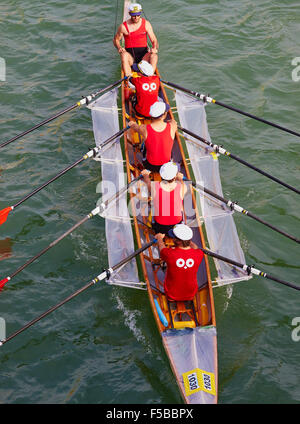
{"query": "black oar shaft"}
pixel 109 87
pixel 46 121
pixel 238 159
pixel 102 207
pixel 136 253
pixel 64 171
pixel 244 211
pixel 82 289
pixel 185 90
pixel 54 243
pixel 120 192
pixel 271 177
pixel 113 137
pixel 57 115
pixel 249 115
pixel 257 118
pixel 267 224
pixel 249 268
pixel 34 321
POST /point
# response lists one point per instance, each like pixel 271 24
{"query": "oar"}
pixel 92 153
pixel 234 206
pixel 222 151
pixel 208 99
pixel 85 100
pixel 249 269
pixel 104 275
pixel 99 209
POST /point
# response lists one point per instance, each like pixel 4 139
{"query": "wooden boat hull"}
pixel 189 336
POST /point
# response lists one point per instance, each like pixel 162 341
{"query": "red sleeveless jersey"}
pixel 168 205
pixel 159 145
pixel 146 93
pixel 136 38
pixel 181 276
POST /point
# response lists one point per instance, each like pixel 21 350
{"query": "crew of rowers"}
pixel 139 66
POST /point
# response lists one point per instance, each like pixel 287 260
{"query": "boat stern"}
pixel 193 357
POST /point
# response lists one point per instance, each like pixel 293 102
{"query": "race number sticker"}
pixel 196 380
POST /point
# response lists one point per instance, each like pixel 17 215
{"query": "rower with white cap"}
pixel 158 136
pixel 147 86
pixel 183 261
pixel 135 32
pixel 167 195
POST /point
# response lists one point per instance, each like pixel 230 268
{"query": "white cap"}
pixel 158 109
pixel 183 232
pixel 168 171
pixel 144 67
pixel 135 9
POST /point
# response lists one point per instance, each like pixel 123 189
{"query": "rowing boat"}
pixel 189 329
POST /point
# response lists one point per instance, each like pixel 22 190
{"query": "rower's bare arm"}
pixel 118 37
pixel 179 178
pixel 145 173
pixel 173 127
pixel 152 37
pixel 160 241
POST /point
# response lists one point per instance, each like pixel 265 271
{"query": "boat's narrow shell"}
pixel 192 354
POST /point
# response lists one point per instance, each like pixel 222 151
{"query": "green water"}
pixel 103 347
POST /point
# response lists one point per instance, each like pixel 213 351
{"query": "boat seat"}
pixel 182 314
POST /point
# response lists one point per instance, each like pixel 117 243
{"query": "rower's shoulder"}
pixel 147 24
pixel 122 27
pixel 173 127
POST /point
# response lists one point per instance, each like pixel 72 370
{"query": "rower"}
pixel 183 261
pixel 135 31
pixel 146 85
pixel 167 195
pixel 158 136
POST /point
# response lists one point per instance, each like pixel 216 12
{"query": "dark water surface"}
pixel 103 347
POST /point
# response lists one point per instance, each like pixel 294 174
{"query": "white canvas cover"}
pixel 117 220
pixel 219 224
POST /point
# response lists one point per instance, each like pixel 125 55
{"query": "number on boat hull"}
pixel 197 379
